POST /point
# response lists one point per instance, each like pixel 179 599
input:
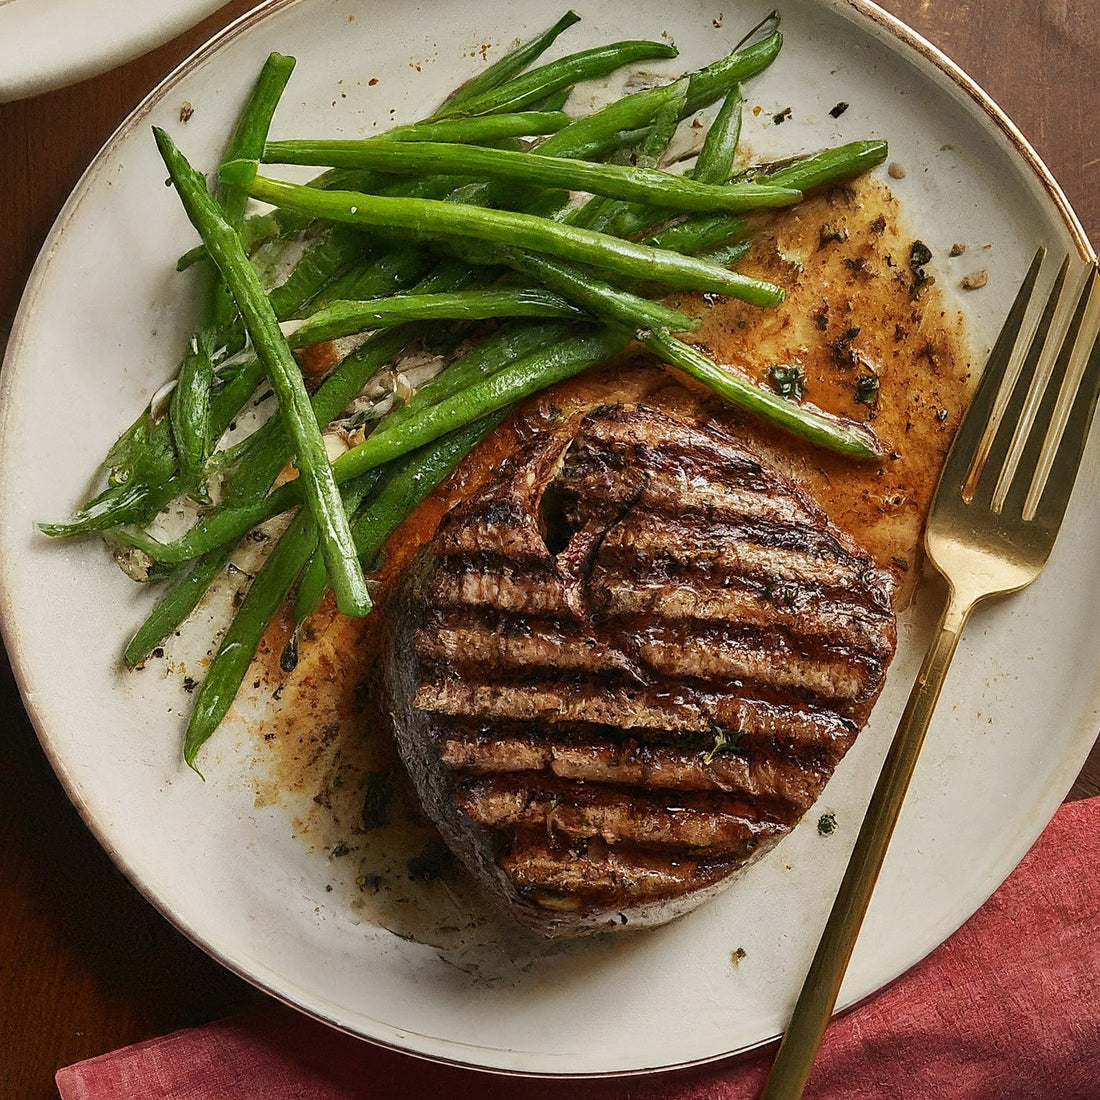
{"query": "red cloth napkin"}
pixel 1008 1008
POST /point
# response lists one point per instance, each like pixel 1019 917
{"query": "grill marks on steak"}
pixel 629 663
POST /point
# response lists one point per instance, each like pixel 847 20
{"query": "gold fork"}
pixel 992 524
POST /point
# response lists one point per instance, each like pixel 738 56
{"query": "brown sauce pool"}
pixel 875 342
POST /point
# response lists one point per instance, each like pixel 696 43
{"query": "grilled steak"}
pixel 627 665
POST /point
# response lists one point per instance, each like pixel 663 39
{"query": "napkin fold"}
pixel 1007 1008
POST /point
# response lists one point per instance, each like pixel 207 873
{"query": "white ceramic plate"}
pixel 98 331
pixel 47 44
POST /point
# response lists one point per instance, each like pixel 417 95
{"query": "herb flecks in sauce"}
pixel 322 740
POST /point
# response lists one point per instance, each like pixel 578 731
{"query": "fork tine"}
pixel 1055 455
pixel 966 456
pixel 1014 414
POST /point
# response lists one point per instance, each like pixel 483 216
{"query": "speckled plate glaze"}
pixel 47 44
pixel 99 329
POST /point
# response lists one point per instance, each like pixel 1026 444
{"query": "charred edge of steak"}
pixel 628 665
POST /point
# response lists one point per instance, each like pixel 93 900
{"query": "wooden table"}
pixel 86 964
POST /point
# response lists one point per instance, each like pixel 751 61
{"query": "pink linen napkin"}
pixel 1008 1008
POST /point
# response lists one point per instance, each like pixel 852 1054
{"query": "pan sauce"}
pixel 868 329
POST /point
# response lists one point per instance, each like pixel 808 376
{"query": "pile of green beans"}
pixel 462 233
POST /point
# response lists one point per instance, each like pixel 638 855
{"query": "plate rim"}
pixel 243 24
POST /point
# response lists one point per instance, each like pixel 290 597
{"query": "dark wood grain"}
pixel 86 964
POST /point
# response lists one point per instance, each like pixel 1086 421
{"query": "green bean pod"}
pixel 507 67
pixel 521 230
pixel 348 318
pixel 531 87
pixel 633 184
pixel 238 646
pixel 479 129
pixel 315 473
pixel 402 490
pixel 172 609
pixel 846 437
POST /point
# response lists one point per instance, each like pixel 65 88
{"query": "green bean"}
pixel 714 165
pixel 619 218
pixel 530 87
pixel 522 231
pixel 699 234
pixel 347 318
pixel 728 254
pixel 315 473
pixel 715 161
pixel 593 135
pixel 387 272
pixel 517 380
pixel 403 489
pixel 715 80
pixel 621 310
pixel 251 130
pixel 117 504
pixel 847 437
pixel 829 166
pixel 508 66
pixel 634 184
pixel 185 438
pixel 492 354
pixel 176 604
pixel 266 450
pixel 478 130
pixel 189 411
pixel 600 299
pixel 242 637
pixel 339 247
pixel 514 382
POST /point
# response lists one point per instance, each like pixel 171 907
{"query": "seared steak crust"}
pixel 629 664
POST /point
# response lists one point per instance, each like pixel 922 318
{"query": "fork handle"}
pixel 817 999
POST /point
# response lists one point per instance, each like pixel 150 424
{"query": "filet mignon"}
pixel 628 664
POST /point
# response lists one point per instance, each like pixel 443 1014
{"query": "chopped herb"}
pixel 867 389
pixel 724 741
pixel 786 594
pixel 919 255
pixel 826 824
pixel 841 348
pixel 788 380
pixel 379 788
pixel 829 234
pixel 839 109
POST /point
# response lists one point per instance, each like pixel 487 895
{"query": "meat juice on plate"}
pixel 865 333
